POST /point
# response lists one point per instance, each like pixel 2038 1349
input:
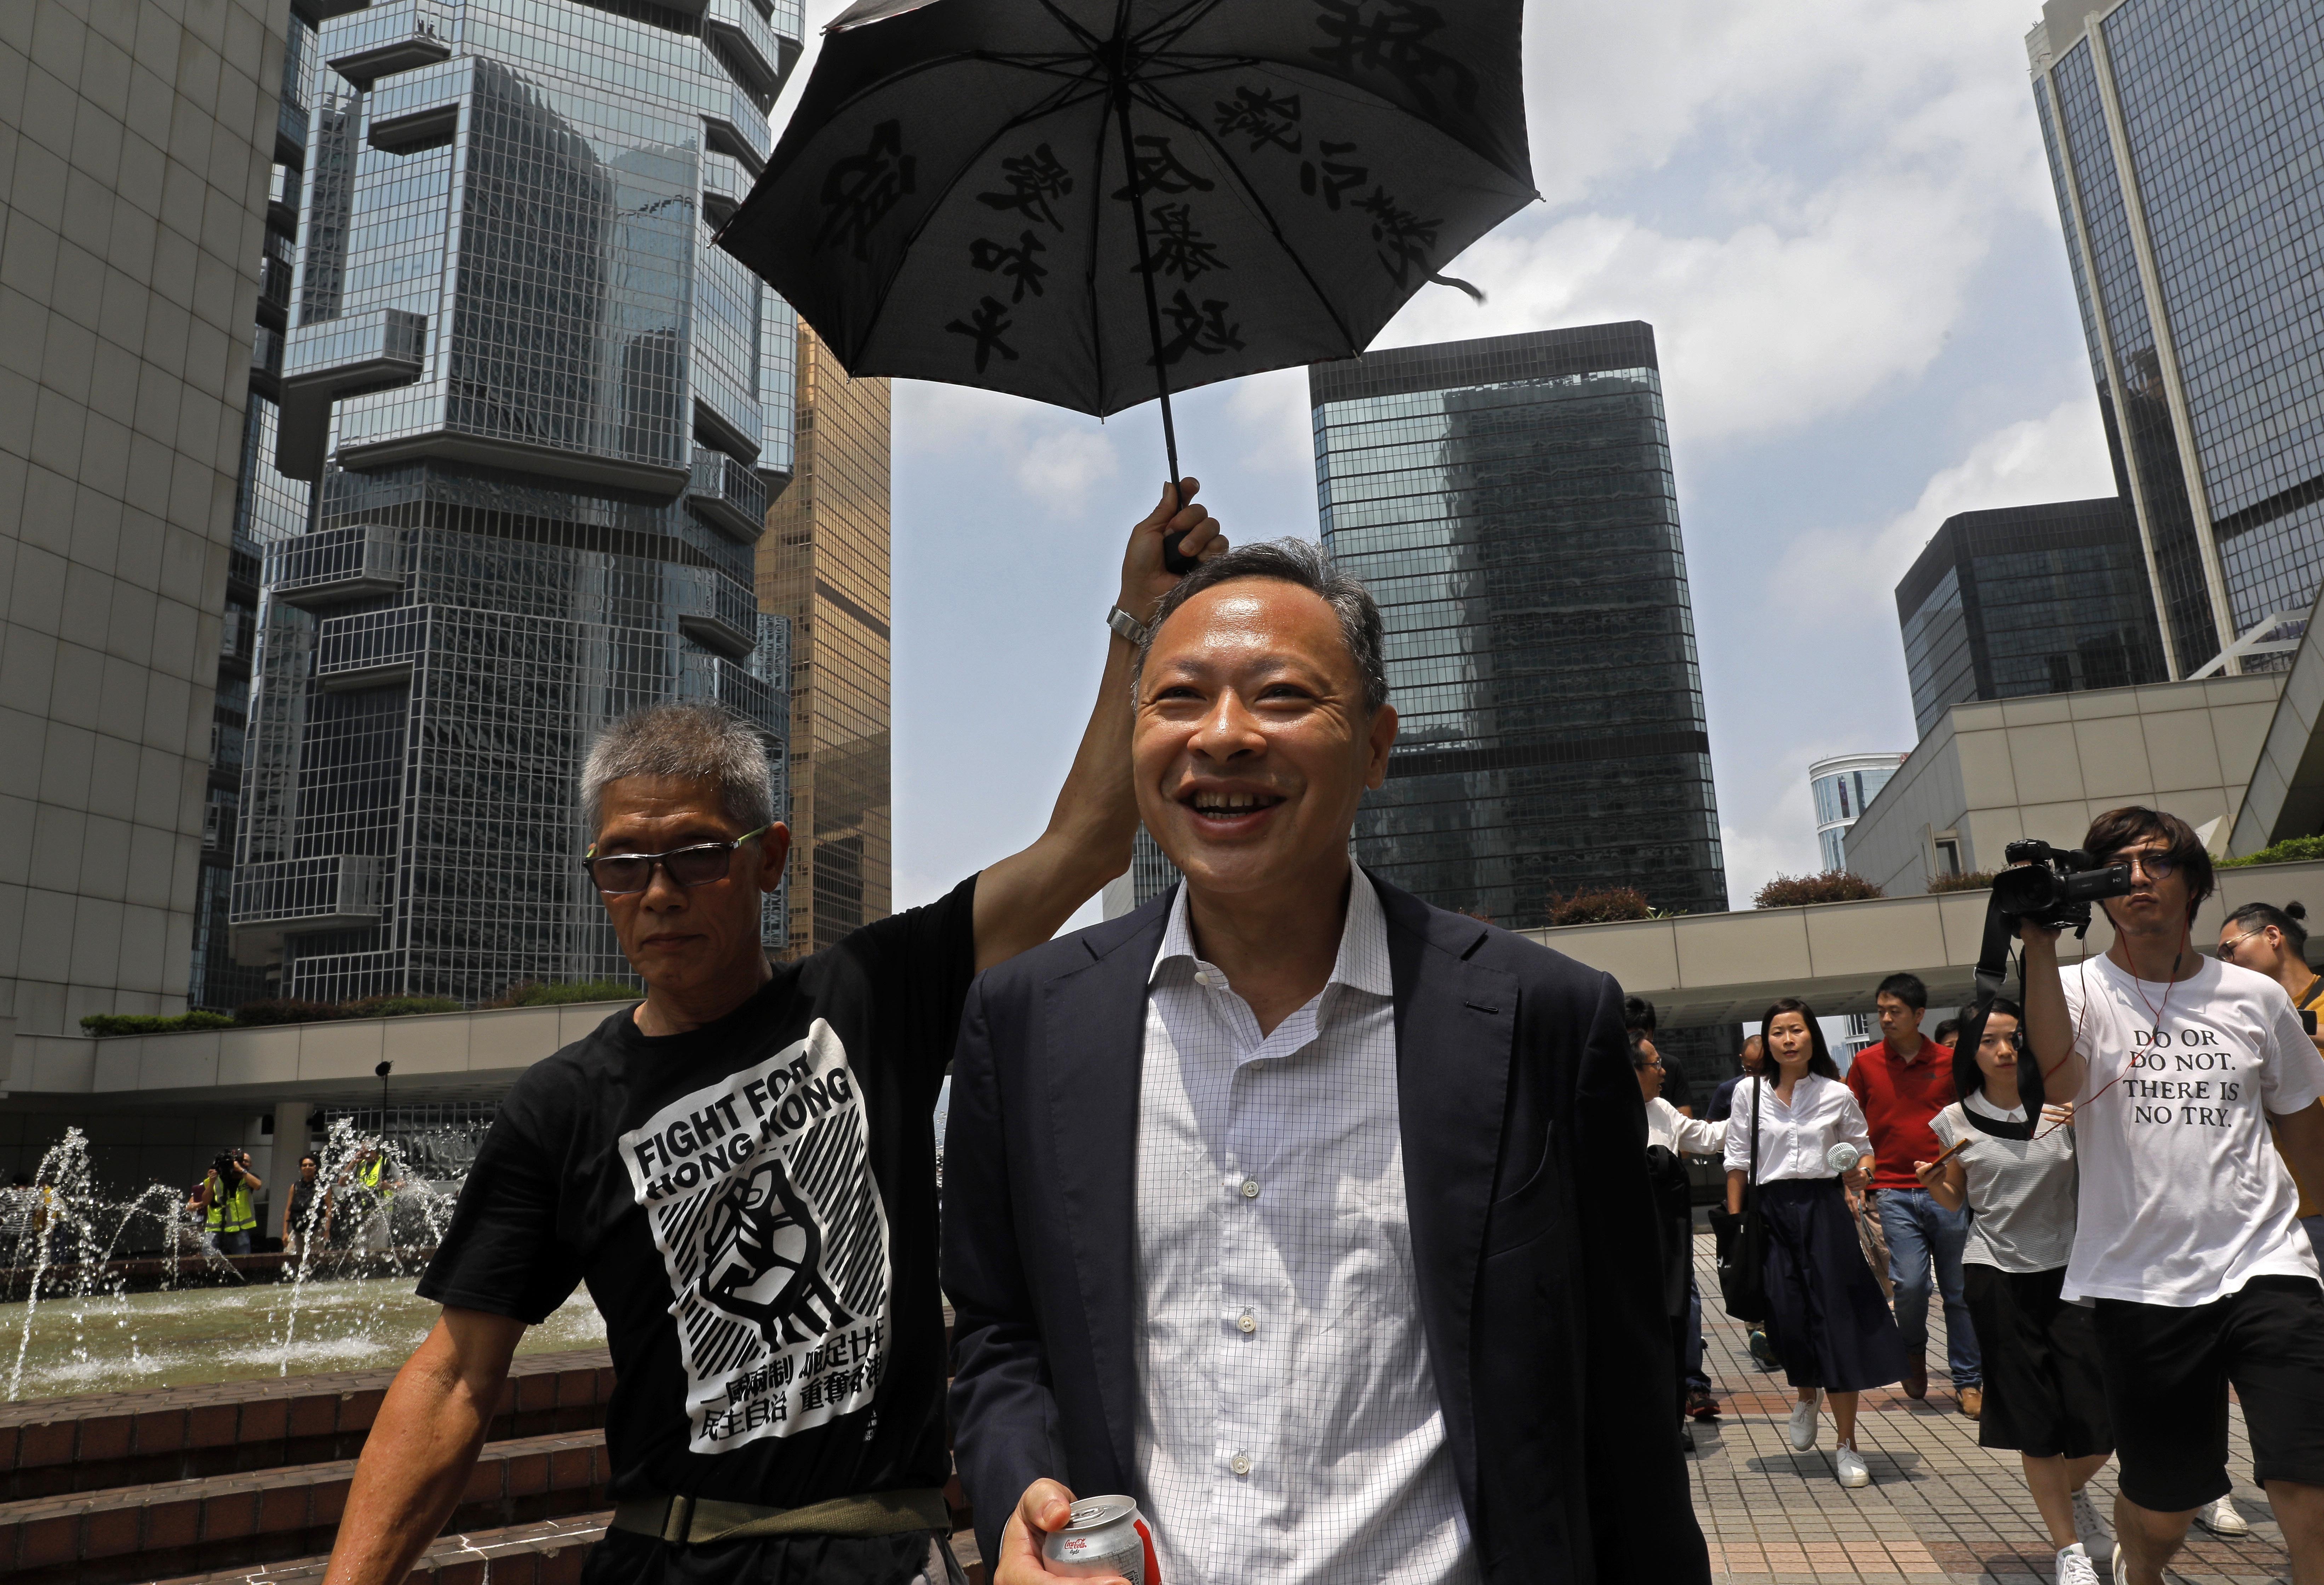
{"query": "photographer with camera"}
pixel 226 1202
pixel 2186 1239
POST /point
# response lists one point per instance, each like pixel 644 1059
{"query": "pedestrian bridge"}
pixel 1697 969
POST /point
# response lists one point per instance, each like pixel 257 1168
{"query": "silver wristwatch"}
pixel 1127 625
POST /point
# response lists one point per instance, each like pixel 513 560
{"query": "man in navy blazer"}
pixel 1312 1217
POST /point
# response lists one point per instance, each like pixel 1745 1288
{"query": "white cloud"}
pixel 1066 465
pixel 2060 455
pixel 1057 458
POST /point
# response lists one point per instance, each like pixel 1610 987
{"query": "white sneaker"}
pixel 2096 1534
pixel 2074 1566
pixel 1852 1472
pixel 2220 1519
pixel 1803 1421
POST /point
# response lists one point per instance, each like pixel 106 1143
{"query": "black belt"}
pixel 699 1521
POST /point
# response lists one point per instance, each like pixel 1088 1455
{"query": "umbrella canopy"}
pixel 983 191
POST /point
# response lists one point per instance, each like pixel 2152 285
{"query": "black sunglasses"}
pixel 697 864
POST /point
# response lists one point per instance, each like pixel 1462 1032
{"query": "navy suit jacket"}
pixel 1537 1255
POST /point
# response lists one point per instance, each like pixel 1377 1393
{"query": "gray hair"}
pixel 1308 565
pixel 693 740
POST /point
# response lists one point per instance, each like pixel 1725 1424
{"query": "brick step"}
pixel 546 1554
pixel 95 1442
pixel 239 1521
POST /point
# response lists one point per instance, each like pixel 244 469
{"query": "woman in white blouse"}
pixel 1826 1319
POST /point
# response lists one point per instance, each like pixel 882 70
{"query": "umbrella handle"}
pixel 1174 559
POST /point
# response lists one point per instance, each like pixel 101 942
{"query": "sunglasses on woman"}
pixel 695 864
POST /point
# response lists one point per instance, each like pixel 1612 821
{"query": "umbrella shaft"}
pixel 1145 262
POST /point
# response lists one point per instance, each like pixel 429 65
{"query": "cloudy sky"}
pixel 1835 218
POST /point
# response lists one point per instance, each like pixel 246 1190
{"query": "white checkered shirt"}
pixel 1287 1430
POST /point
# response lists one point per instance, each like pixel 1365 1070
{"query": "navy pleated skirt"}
pixel 1826 1321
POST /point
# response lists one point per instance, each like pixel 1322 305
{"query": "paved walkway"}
pixel 1939 1511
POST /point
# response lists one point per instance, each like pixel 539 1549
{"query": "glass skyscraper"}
pixel 268 508
pixel 2050 599
pixel 543 416
pixel 824 566
pixel 2186 145
pixel 1509 501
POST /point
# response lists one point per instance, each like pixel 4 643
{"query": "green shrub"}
pixel 399 1006
pixel 1834 886
pixel 276 1009
pixel 103 1024
pixel 1602 905
pixel 534 993
pixel 1975 881
pixel 2292 850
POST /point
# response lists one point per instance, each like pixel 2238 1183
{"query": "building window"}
pixel 1948 856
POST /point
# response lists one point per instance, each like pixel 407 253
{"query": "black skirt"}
pixel 1826 1320
pixel 2043 1392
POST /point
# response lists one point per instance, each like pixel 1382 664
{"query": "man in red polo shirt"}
pixel 1901 1082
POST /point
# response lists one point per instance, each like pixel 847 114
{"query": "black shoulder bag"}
pixel 1741 1240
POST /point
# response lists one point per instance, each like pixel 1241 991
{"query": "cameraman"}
pixel 225 1199
pixel 2187 1239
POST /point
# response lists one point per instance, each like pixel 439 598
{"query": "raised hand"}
pixel 1144 578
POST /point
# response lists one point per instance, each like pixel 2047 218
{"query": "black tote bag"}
pixel 1741 1240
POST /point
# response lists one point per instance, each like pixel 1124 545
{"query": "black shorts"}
pixel 2167 1372
pixel 2044 1395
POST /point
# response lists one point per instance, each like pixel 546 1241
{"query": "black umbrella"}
pixel 1095 202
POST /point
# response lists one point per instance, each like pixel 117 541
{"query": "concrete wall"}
pixel 136 143
pixel 1994 772
pixel 157 1108
pixel 1726 968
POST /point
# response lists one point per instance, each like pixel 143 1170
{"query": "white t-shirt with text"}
pixel 2183 1197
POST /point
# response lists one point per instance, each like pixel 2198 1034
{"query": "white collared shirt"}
pixel 1675 1131
pixel 1287 1429
pixel 1793 1139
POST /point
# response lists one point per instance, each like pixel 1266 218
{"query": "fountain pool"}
pixel 120 1342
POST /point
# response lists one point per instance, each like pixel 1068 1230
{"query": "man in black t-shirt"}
pixel 742 1169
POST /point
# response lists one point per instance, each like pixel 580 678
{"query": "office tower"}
pixel 134 224
pixel 544 415
pixel 1509 501
pixel 1842 785
pixel 1150 875
pixel 268 508
pixel 2186 145
pixel 2050 599
pixel 824 566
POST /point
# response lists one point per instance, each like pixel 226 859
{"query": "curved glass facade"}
pixel 1509 501
pixel 546 416
pixel 1841 789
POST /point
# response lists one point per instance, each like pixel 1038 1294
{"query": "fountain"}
pixel 87 1306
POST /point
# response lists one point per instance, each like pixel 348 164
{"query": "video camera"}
pixel 228 1170
pixel 2054 888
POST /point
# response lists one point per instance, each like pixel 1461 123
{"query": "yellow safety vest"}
pixel 373 1174
pixel 237 1215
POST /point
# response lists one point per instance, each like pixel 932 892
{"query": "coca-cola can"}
pixel 1105 1536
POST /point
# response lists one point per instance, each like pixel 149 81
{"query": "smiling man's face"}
pixel 683 940
pixel 1252 746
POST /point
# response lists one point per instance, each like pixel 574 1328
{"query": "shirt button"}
pixel 1250 1188
pixel 1201 976
pixel 1247 1321
pixel 1240 1463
